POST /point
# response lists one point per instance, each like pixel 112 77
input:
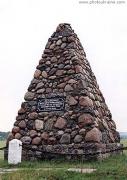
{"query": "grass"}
pixel 112 168
pixel 2 144
pixel 124 142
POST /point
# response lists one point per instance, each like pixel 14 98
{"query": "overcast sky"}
pixel 26 25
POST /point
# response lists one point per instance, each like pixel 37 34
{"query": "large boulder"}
pixel 85 120
pixel 85 101
pixel 26 140
pixel 36 141
pixel 78 138
pixel 93 135
pixel 65 139
pixel 39 124
pixel 60 123
pixel 29 96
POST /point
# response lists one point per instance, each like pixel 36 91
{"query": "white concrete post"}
pixel 15 151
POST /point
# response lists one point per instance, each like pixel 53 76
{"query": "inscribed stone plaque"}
pixel 51 104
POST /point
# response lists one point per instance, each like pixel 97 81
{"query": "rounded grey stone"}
pixel 78 138
pixel 65 139
pixel 29 96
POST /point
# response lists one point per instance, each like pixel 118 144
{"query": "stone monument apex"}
pixel 64 111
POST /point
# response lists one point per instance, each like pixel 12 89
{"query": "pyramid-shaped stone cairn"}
pixel 64 112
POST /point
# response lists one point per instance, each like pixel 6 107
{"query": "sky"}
pixel 26 25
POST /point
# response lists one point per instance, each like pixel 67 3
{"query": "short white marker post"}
pixel 15 151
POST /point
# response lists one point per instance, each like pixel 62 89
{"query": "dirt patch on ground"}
pixel 81 170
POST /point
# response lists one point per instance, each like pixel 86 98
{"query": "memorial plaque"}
pixel 51 104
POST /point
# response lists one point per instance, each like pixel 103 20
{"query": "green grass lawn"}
pixel 112 168
pixel 2 144
pixel 124 142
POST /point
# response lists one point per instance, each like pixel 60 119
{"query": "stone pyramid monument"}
pixel 64 112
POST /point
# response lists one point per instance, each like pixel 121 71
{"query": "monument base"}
pixel 85 151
